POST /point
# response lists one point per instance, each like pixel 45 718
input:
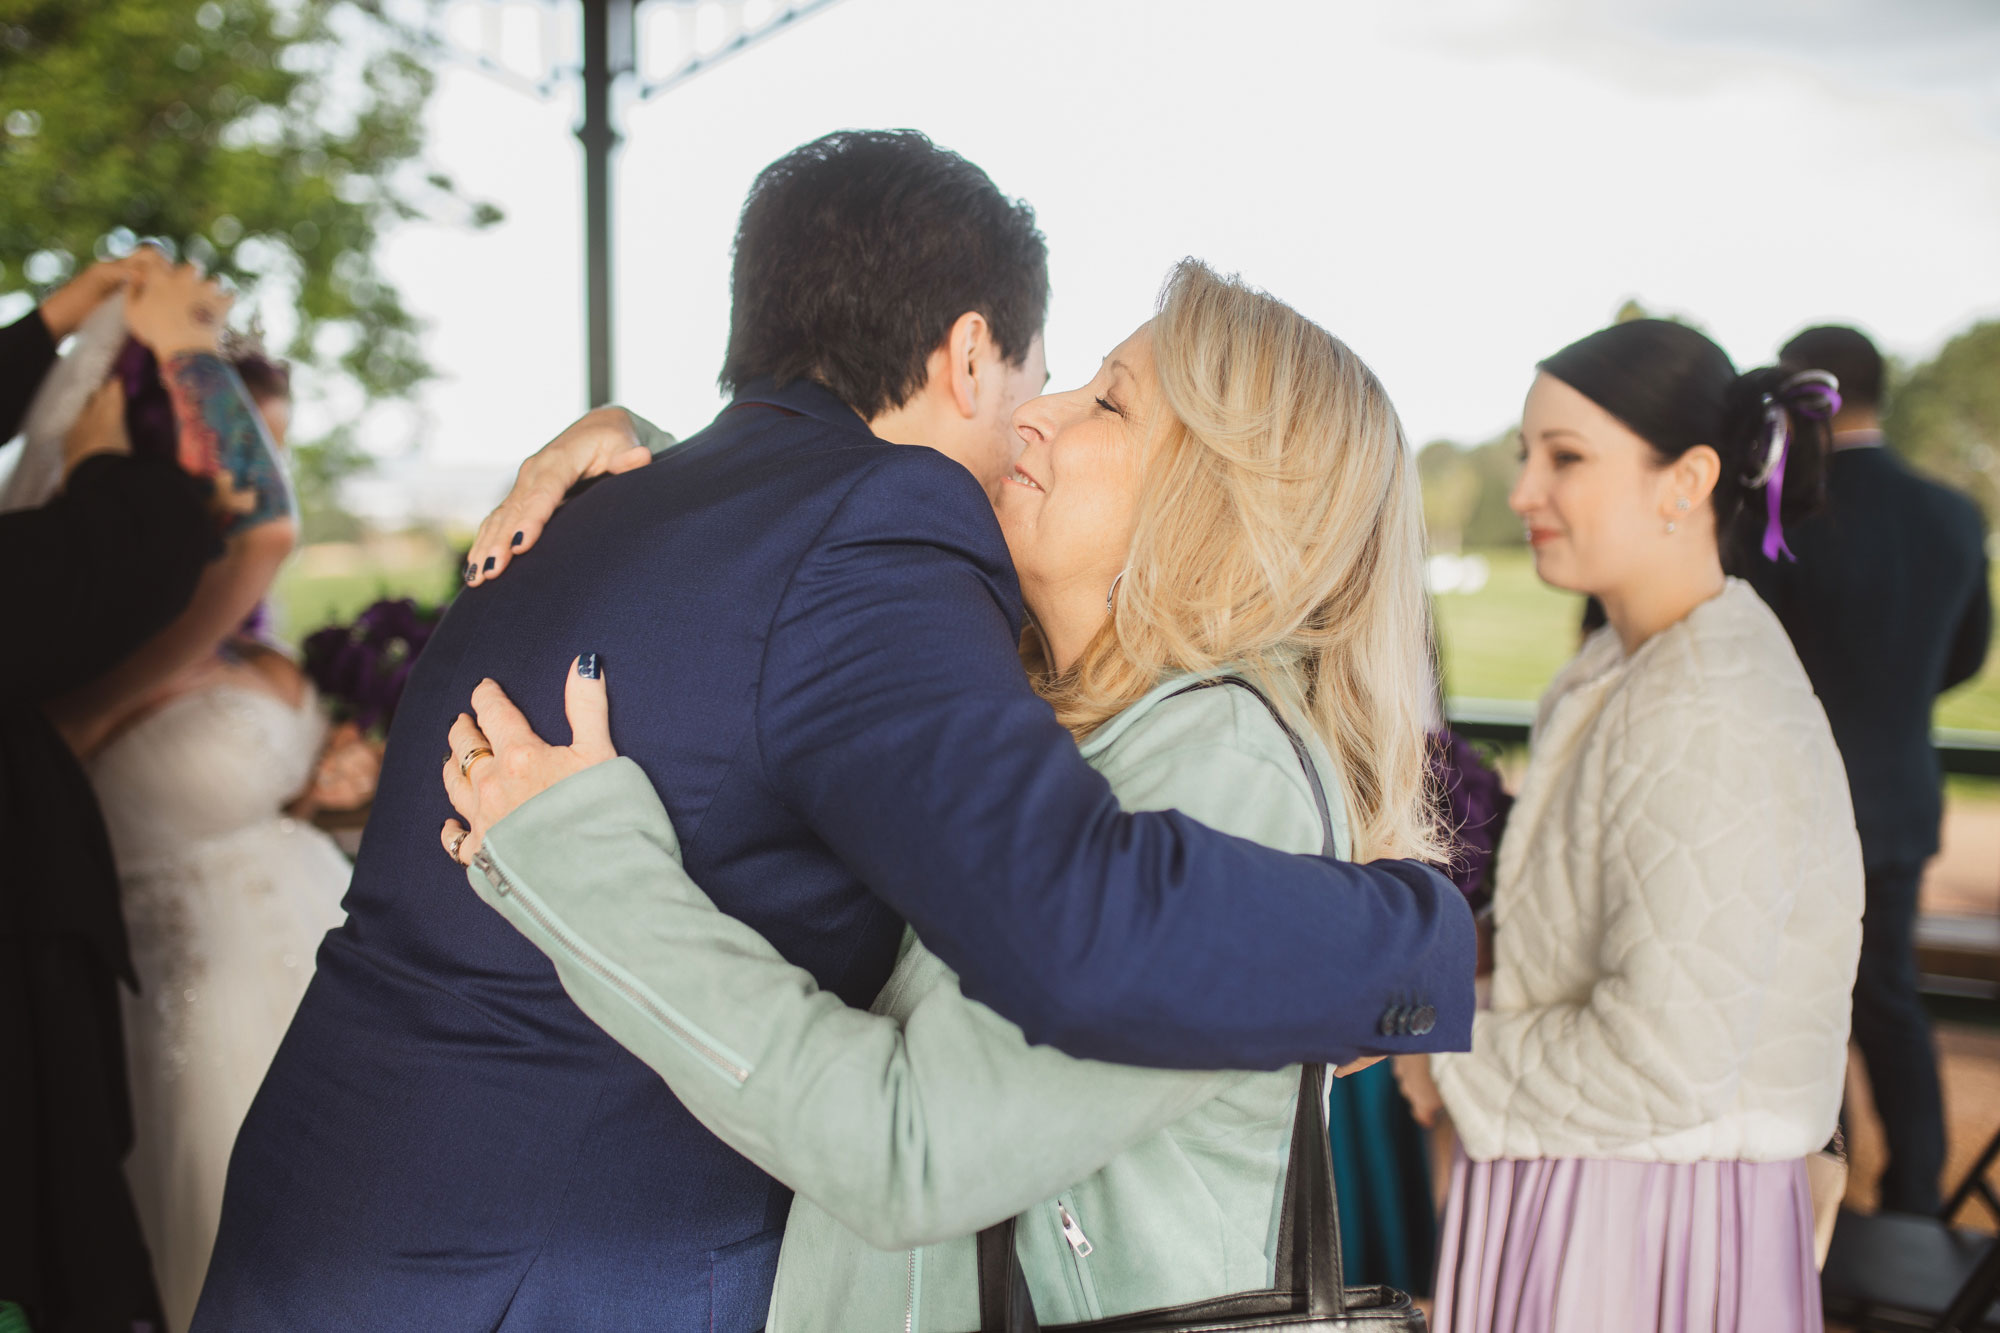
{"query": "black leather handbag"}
pixel 1311 1296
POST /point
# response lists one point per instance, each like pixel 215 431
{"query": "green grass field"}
pixel 1507 640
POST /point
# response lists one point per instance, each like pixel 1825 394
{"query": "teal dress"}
pixel 1381 1164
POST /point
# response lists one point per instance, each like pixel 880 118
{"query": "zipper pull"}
pixel 1073 1233
pixel 484 865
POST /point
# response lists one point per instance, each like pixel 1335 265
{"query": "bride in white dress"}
pixel 226 899
pixel 196 747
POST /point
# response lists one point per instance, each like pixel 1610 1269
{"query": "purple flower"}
pixel 1476 806
pixel 361 668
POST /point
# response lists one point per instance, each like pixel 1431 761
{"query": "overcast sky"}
pixel 1456 188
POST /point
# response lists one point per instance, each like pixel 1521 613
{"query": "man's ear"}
pixel 967 347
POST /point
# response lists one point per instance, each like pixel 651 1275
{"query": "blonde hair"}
pixel 1280 531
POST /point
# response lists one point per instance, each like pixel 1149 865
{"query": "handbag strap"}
pixel 1308 1258
pixel 1299 750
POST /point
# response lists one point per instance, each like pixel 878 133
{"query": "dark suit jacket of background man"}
pixel 809 637
pixel 1887 606
pixel 84 581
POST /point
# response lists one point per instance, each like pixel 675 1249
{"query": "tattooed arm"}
pixel 222 436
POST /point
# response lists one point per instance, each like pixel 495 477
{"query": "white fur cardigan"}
pixel 1677 910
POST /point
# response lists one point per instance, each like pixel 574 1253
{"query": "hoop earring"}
pixel 1113 592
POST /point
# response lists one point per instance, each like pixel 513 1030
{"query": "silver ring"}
pixel 471 757
pixel 457 842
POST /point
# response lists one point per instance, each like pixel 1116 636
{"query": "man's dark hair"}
pixel 858 251
pixel 1844 353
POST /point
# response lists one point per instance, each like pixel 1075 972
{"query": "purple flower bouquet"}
pixel 361 668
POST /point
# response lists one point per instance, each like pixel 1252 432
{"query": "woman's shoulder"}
pixel 1727 686
pixel 1214 751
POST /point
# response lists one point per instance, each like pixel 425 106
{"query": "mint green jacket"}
pixel 906 1129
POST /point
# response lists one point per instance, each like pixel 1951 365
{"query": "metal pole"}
pixel 607 53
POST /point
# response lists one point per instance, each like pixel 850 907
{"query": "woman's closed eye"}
pixel 1110 406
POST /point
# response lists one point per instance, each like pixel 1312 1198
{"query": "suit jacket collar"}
pixel 805 398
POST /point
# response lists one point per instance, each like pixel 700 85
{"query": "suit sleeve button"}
pixel 1392 1021
pixel 1424 1020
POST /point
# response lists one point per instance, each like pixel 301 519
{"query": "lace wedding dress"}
pixel 225 904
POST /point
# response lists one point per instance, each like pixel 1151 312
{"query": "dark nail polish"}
pixel 489 563
pixel 469 571
pixel 586 666
pixel 518 538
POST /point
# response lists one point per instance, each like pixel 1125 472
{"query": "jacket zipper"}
pixel 1072 1232
pixel 1080 1250
pixel 910 1307
pixel 505 888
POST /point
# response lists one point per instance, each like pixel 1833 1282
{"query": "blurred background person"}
pixel 1888 606
pixel 197 744
pixel 1678 904
pixel 102 564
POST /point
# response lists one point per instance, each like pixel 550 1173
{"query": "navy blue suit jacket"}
pixel 809 637
pixel 1888 607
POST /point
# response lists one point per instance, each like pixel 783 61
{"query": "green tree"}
pixel 1465 492
pixel 1944 415
pixel 271 141
pixel 318 469
pixel 1491 522
pixel 1451 485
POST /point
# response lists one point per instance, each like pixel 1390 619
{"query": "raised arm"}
pixel 895 719
pixel 28 345
pixel 908 1132
pixel 221 437
pixel 601 443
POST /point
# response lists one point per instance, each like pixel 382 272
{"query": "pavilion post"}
pixel 607 53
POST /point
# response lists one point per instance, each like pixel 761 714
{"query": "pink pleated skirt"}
pixel 1575 1245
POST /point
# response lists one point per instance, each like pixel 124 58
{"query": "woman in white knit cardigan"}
pixel 1678 903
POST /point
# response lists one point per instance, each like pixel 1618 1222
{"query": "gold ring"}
pixel 456 843
pixel 471 757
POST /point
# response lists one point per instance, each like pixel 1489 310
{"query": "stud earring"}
pixel 1670 527
pixel 1681 503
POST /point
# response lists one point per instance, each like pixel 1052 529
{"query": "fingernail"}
pixel 586 666
pixel 470 571
pixel 518 537
pixel 489 563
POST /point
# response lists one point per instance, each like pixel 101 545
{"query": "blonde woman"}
pixel 1230 499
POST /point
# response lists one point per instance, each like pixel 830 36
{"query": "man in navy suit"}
pixel 814 632
pixel 1888 607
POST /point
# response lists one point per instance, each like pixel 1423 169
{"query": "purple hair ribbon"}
pixel 1813 394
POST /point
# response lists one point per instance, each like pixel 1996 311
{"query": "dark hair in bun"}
pixel 1675 389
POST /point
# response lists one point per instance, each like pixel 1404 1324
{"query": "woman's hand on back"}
pixel 497 762
pixel 602 442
